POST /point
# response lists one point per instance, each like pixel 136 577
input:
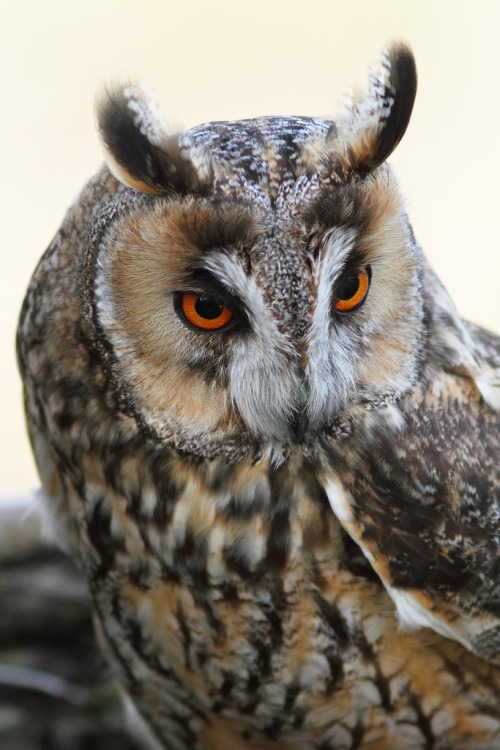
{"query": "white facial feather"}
pixel 263 385
pixel 330 364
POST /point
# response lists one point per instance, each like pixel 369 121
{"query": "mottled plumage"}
pixel 268 437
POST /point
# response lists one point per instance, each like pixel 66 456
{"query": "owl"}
pixel 268 437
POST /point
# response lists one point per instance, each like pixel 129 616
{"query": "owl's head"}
pixel 256 280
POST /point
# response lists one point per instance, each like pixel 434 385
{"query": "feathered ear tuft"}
pixel 139 149
pixel 377 122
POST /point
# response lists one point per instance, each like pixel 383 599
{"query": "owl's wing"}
pixel 421 496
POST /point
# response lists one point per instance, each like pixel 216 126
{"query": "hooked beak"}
pixel 298 425
pixel 298 421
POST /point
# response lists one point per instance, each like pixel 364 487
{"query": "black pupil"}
pixel 348 287
pixel 208 308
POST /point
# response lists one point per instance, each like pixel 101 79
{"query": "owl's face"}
pixel 260 297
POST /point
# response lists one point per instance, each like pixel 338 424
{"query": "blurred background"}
pixel 228 60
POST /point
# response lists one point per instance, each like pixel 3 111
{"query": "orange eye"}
pixel 204 313
pixel 352 291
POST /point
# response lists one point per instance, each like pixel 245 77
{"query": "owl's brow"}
pixel 221 226
pixel 356 259
pixel 205 281
pixel 334 206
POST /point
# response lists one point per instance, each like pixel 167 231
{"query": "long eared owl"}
pixel 268 437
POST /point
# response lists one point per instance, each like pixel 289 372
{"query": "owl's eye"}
pixel 202 313
pixel 352 291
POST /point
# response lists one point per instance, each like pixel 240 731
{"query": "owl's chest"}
pixel 233 593
pixel 229 549
pixel 238 614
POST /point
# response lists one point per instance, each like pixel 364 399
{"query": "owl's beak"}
pixel 298 425
pixel 298 421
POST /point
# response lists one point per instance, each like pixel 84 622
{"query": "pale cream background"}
pixel 226 59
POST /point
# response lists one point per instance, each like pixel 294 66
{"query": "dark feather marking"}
pixel 273 610
pixel 299 717
pixel 69 472
pixel 134 504
pixel 201 598
pixel 279 534
pixel 168 493
pixel 253 682
pixel 186 636
pixel 170 573
pixel 112 470
pixel 252 700
pixel 140 575
pixel 238 563
pixel 336 666
pixel 292 692
pixel 263 652
pixel 218 706
pixel 381 682
pixel 230 681
pixel 423 722
pixel 228 591
pixel 217 481
pixel 247 502
pixel 357 734
pixel 337 627
pixel 192 554
pixel 334 620
pixel 99 533
pixel 340 207
pixel 273 730
pixel 278 541
pixel 201 654
pixel 73 405
pixel 313 488
pixel 220 226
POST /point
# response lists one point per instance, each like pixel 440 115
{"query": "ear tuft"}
pixel 139 149
pixel 377 122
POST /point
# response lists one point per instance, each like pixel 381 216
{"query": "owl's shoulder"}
pixel 486 342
